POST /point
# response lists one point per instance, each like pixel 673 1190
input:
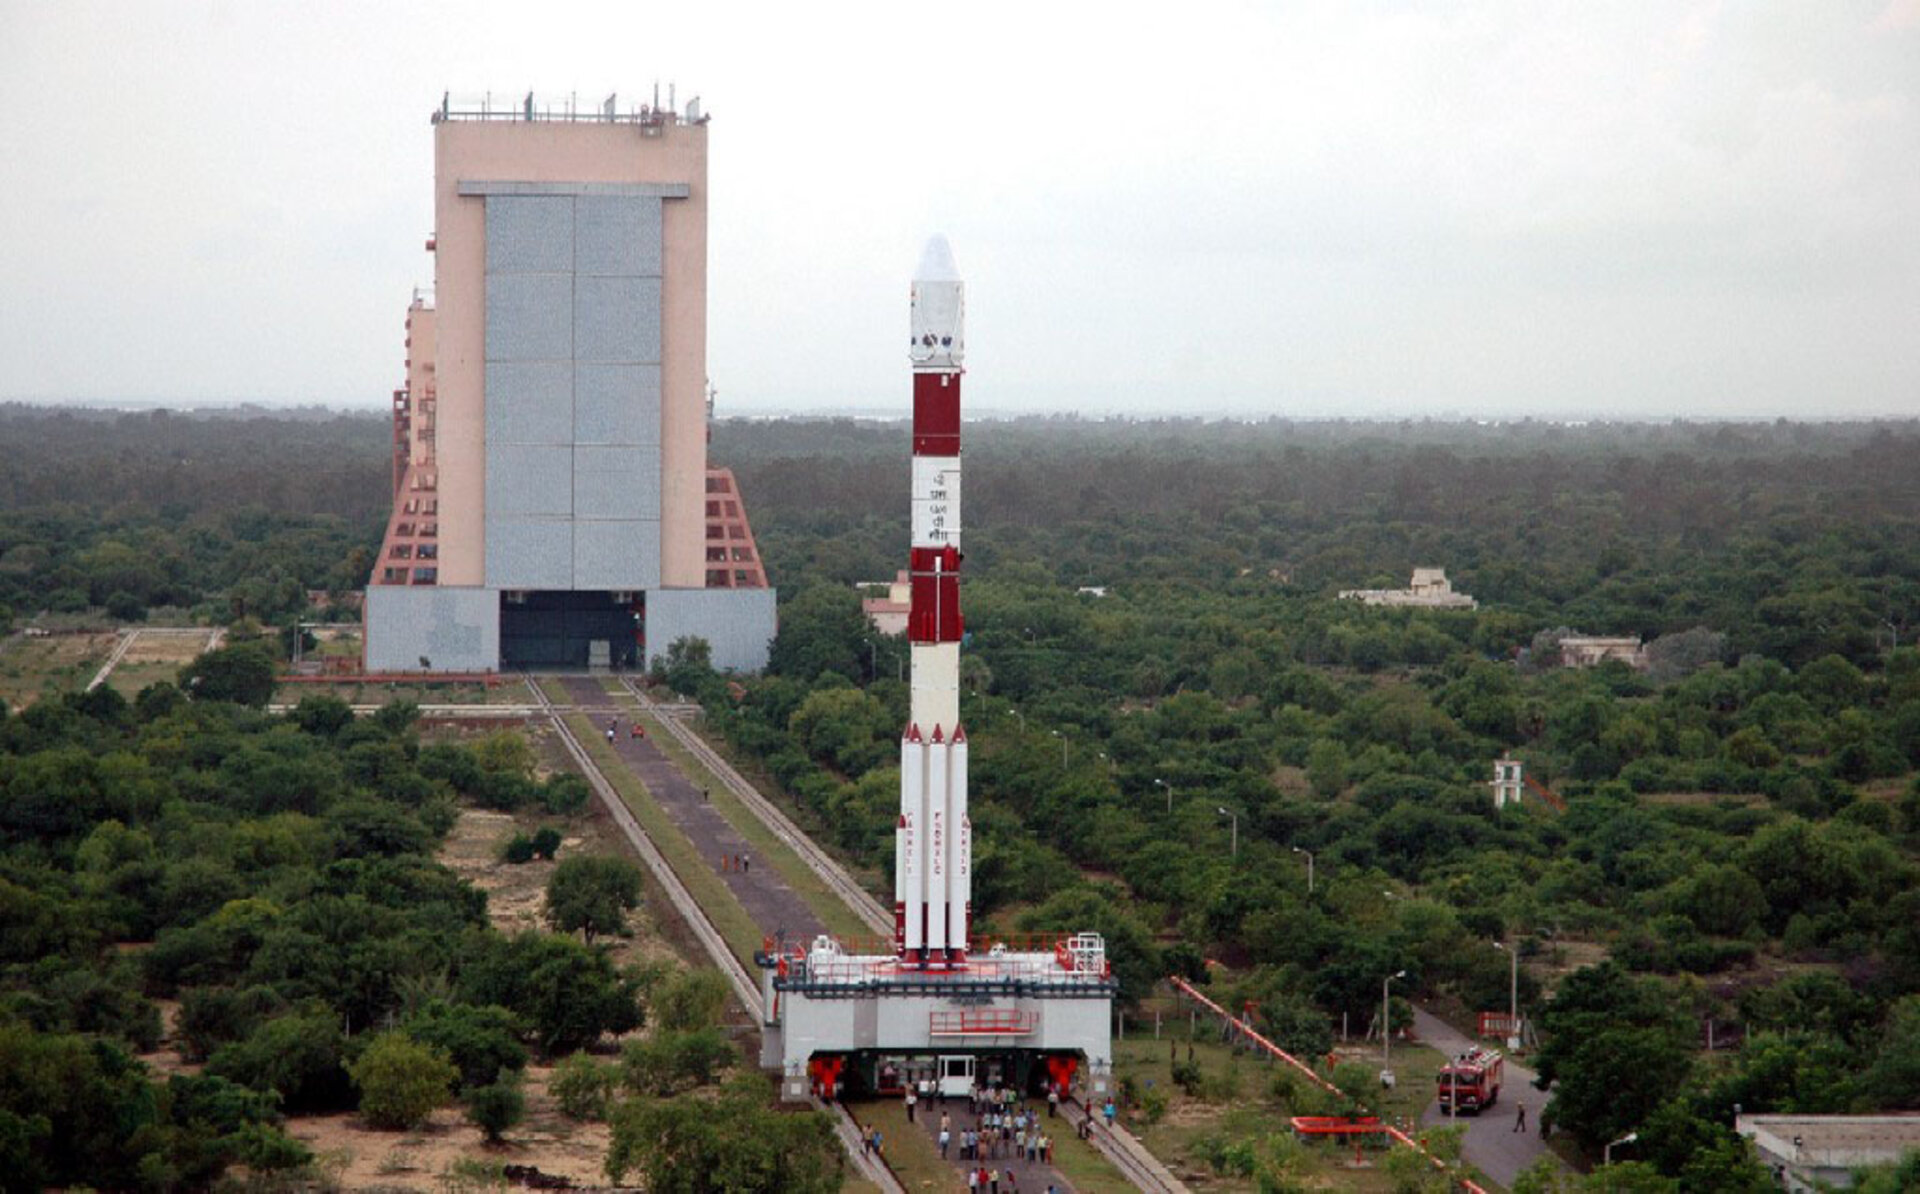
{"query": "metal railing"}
pixel 528 108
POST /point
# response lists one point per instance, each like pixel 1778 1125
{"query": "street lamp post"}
pixel 1021 716
pixel 1169 787
pixel 1063 747
pixel 1386 1027
pixel 1606 1154
pixel 1309 854
pixel 1513 993
pixel 1227 812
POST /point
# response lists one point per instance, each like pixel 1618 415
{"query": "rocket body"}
pixel 934 838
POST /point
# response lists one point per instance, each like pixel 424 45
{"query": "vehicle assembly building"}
pixel 553 503
pixel 935 1002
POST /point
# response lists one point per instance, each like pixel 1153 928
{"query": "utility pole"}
pixel 1513 993
pixel 1386 1028
pixel 1227 812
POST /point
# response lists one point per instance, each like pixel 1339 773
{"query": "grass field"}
pixel 32 667
pixel 735 927
pixel 1239 1106
pixel 912 1156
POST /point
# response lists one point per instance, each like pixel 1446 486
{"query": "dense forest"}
pixel 1204 754
pixel 1741 838
pixel 220 517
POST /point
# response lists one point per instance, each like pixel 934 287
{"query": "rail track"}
pixel 856 897
pixel 744 989
pixel 1125 1153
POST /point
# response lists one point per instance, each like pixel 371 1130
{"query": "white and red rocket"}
pixel 933 843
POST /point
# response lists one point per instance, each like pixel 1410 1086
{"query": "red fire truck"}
pixel 1471 1081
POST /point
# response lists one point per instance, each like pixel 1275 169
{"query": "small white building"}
pixel 1429 589
pixel 1590 650
pixel 888 613
pixel 1506 781
pixel 1815 1152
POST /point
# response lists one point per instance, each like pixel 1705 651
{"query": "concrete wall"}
pixel 586 153
pixel 456 630
pixel 737 623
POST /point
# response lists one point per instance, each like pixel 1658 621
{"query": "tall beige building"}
pixel 553 501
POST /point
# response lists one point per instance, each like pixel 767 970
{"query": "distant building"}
pixel 1820 1152
pixel 1091 591
pixel 1430 590
pixel 553 505
pixel 1592 651
pixel 889 613
pixel 1507 781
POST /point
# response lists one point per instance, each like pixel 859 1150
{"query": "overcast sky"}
pixel 1644 209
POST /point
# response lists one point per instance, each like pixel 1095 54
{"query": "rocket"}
pixel 933 840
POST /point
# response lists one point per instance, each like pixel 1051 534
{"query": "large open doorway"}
pixel 588 630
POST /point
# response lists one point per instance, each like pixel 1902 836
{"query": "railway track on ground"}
pixel 1125 1153
pixel 730 967
pixel 836 877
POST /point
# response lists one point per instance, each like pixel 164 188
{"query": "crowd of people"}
pixel 1004 1127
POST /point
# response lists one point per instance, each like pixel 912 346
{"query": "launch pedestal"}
pixel 1027 1014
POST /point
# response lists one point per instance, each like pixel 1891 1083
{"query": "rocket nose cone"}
pixel 936 262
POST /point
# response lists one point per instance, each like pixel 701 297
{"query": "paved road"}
pixel 1491 1143
pixel 773 905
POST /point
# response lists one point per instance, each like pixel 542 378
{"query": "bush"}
pixel 401 1080
pixel 672 1062
pixel 1153 1105
pixel 565 794
pixel 519 849
pixel 497 1106
pixel 1188 1076
pixel 546 842
pixel 581 1086
pixel 297 1056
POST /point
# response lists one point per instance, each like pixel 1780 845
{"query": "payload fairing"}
pixel 933 841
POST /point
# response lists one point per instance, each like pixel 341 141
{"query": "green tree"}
pixel 297 1056
pixel 482 1042
pixel 592 894
pixel 497 1106
pixel 690 999
pixel 1892 1082
pixel 241 673
pixel 567 993
pixel 401 1081
pixel 1327 767
pixel 1615 1048
pixel 688 666
pixel 821 630
pixel 733 1142
pixel 845 728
